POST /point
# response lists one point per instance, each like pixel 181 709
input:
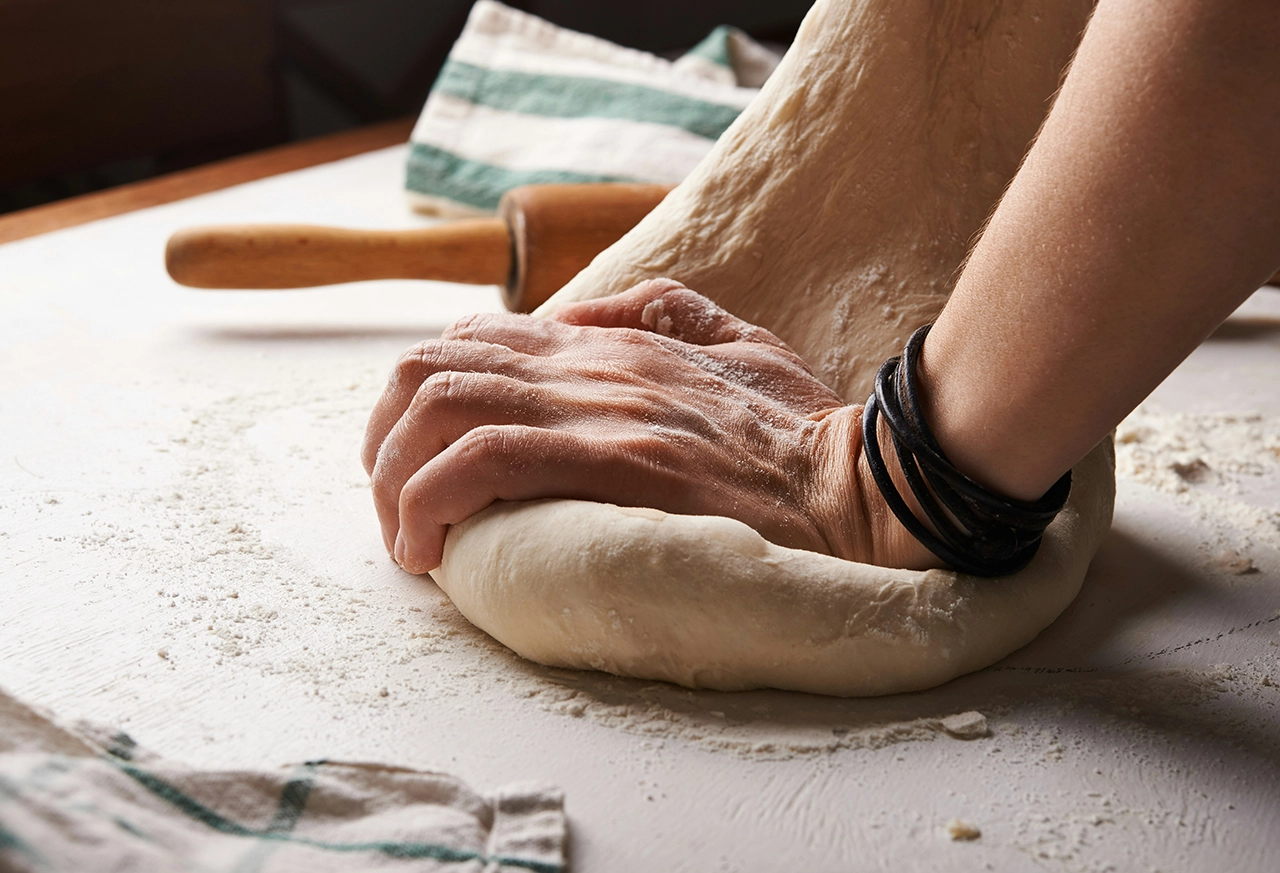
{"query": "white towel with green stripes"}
pixel 521 101
pixel 83 799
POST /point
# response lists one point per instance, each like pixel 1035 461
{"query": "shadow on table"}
pixel 1246 328
pixel 1082 668
pixel 410 333
pixel 1126 581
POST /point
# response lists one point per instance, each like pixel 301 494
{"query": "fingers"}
pixel 505 343
pixel 509 407
pixel 520 333
pixel 445 407
pixel 418 364
pixel 489 463
pixel 666 307
pixel 624 309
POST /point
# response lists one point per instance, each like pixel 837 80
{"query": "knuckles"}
pixel 423 422
pixel 497 327
pixel 438 391
pixel 417 362
pixel 466 396
pixel 492 445
pixel 468 326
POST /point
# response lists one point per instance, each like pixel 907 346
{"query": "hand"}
pixel 654 397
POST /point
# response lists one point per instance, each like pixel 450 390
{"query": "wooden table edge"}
pixel 201 180
pixel 213 177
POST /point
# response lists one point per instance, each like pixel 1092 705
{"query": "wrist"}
pixel 988 417
pixel 969 527
pixel 847 505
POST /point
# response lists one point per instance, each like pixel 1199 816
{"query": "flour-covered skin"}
pixel 655 397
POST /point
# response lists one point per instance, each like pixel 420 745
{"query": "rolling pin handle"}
pixel 472 251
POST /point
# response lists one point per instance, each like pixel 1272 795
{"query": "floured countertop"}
pixel 190 552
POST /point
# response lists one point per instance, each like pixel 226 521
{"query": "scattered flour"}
pixel 1226 468
pixel 212 539
pixel 210 549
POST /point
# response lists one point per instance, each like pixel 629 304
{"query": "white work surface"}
pixel 190 553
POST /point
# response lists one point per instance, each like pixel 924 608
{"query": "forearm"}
pixel 1147 210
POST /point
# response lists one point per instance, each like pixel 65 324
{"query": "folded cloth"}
pixel 730 57
pixel 84 799
pixel 521 101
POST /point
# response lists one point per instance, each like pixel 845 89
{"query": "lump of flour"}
pixel 966 725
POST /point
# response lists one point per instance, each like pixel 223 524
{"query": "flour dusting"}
pixel 1225 468
pixel 267 608
pixel 209 551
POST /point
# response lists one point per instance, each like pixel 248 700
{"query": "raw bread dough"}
pixel 834 212
pixel 707 602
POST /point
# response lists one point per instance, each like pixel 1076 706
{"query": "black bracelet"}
pixel 995 535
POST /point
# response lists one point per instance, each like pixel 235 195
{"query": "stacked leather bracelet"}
pixel 977 531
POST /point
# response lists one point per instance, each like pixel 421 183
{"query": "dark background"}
pixel 95 93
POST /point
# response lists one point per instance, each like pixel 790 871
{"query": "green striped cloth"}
pixel 521 101
pixel 85 799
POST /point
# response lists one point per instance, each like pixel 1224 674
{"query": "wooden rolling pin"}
pixel 544 235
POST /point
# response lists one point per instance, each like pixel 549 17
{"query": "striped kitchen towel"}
pixel 521 101
pixel 83 799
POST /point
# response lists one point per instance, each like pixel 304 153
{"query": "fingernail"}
pixel 400 548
